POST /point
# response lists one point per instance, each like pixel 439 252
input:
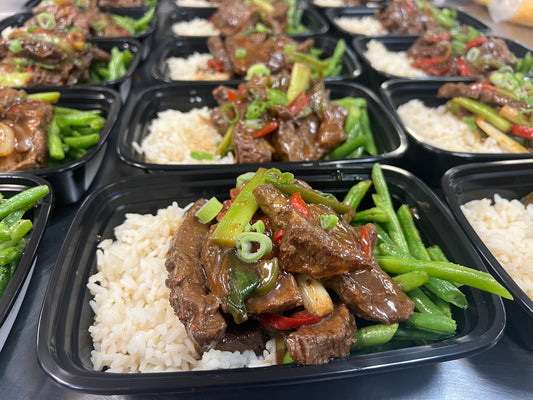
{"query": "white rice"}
pixel 135 328
pixel 392 62
pixel 195 27
pixel 193 68
pixel 439 128
pixel 8 30
pixel 174 134
pixel 506 228
pixel 194 3
pixel 363 25
pixel 329 3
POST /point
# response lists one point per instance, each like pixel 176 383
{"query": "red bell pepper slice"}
pixel 463 68
pixel 278 236
pixel 215 64
pixel 476 42
pixel 523 131
pixel 277 322
pixel 440 37
pixel 299 204
pixel 483 86
pixel 299 103
pixel 366 244
pixel 232 96
pixel 268 128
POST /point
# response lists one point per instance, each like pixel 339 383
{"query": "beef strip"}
pixel 398 17
pixel 450 90
pixel 331 337
pixel 29 122
pixel 372 295
pixel 189 297
pixel 274 204
pixel 249 149
pixel 66 15
pixel 243 337
pixel 284 296
pixel 215 45
pixel 297 139
pixel 233 16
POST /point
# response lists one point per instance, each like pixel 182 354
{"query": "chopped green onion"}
pixel 15 46
pixel 243 178
pixel 257 70
pixel 258 226
pixel 277 98
pixel 209 210
pixel 201 155
pixel 226 107
pixel 274 175
pixel 240 53
pixel 257 109
pixel 46 21
pixel 471 122
pixel 328 221
pixel 245 242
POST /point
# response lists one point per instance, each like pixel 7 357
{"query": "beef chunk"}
pixel 297 139
pixel 249 149
pixel 244 337
pixel 331 337
pixel 233 16
pixel 399 17
pixel 274 204
pixel 192 303
pixel 29 122
pixel 331 132
pixel 372 295
pixel 284 296
pixel 449 90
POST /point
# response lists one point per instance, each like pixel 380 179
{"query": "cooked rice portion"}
pixel 195 27
pixel 173 135
pixel 506 228
pixel 135 328
pixel 194 3
pixel 193 68
pixel 439 128
pixel 328 3
pixel 363 25
pixel 391 62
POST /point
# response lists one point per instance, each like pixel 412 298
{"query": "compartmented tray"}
pixel 64 342
pixel 420 155
pixel 142 109
pixel 511 180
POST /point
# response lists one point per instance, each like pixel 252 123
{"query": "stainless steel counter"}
pixel 503 372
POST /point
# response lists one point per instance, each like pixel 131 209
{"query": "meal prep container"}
pixel 11 299
pixel 311 19
pixel 426 161
pixel 64 343
pixel 34 3
pixel 398 43
pixel 332 14
pixel 70 181
pixel 351 67
pixel 18 20
pixel 142 109
pixel 511 180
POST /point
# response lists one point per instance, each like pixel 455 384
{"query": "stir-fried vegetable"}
pixel 135 26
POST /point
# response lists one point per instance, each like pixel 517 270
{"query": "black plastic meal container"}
pixel 427 161
pixel 17 20
pixel 72 180
pixel 398 43
pixel 351 67
pixel 511 180
pixel 333 13
pixel 30 4
pixel 142 109
pixel 10 185
pixel 311 19
pixel 64 343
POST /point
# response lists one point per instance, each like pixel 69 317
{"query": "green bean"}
pixel 142 23
pixel 411 280
pixel 76 117
pixel 383 236
pixel 393 226
pixel 20 229
pixel 334 61
pixel 356 193
pixel 411 233
pixel 411 333
pixel 15 216
pixel 351 102
pixel 116 64
pixel 392 250
pixel 5 276
pixel 82 142
pixel 447 291
pixel 55 148
pixel 485 111
pixel 10 254
pixel 444 306
pixel 344 149
pixel 352 124
pixel 445 270
pixel 370 144
pixel 22 199
pixel 436 254
pixel 374 335
pixel 432 323
pixel 50 97
pixel 423 303
pixel 374 214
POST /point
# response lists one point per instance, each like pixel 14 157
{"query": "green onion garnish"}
pixel 201 155
pixel 209 210
pixel 328 221
pixel 46 21
pixel 245 242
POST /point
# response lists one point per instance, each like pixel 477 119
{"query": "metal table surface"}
pixel 504 371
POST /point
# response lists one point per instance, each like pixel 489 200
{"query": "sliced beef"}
pixel 496 49
pixel 297 139
pixel 401 17
pixel 244 337
pixel 306 247
pixel 331 132
pixel 216 47
pixel 331 337
pixel 284 296
pixel 274 204
pixel 233 16
pixel 476 92
pixel 249 149
pixel 372 295
pixel 47 53
pixel 66 15
pixel 196 308
pixel 8 97
pixel 29 122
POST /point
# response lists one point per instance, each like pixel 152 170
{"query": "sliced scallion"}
pixel 15 46
pixel 245 246
pixel 46 21
pixel 201 155
pixel 209 210
pixel 328 221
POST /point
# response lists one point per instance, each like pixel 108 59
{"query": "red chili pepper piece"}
pixel 278 236
pixel 483 86
pixel 276 322
pixel 301 102
pixel 463 68
pixel 366 244
pixel 440 37
pixel 268 128
pixel 30 68
pixel 232 96
pixel 476 42
pixel 299 204
pixel 215 64
pixel 409 7
pixel 523 131
pixel 241 89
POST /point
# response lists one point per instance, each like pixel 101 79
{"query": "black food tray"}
pixel 142 109
pixel 64 343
